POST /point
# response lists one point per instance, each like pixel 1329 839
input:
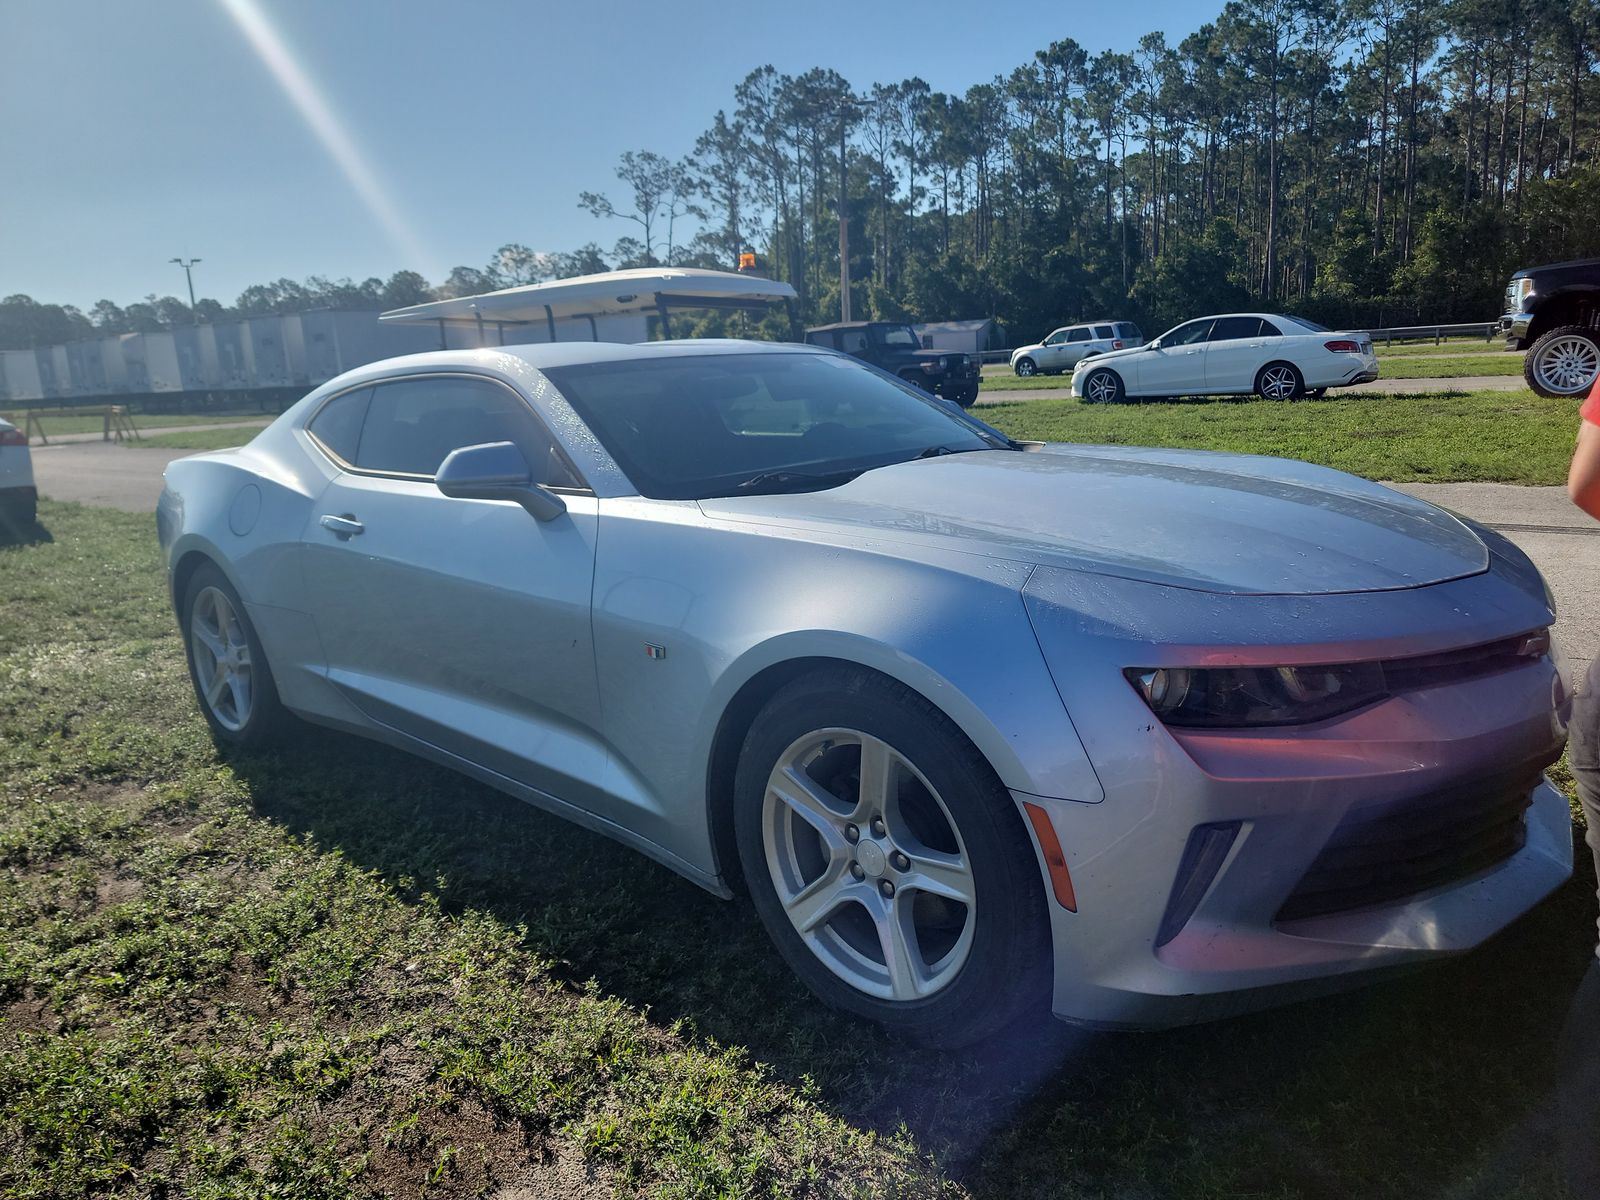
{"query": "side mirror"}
pixel 496 471
pixel 1155 344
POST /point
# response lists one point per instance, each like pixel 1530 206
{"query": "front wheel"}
pixel 1563 362
pixel 1279 381
pixel 1103 386
pixel 1026 367
pixel 888 863
pixel 966 397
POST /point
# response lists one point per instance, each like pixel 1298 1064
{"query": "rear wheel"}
pixel 232 681
pixel 1279 381
pixel 1026 367
pixel 1563 362
pixel 887 862
pixel 1103 386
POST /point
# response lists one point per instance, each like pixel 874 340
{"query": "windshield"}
pixel 731 424
pixel 899 335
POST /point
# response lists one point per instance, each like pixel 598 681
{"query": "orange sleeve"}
pixel 1590 411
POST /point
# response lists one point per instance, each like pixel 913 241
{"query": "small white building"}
pixel 969 337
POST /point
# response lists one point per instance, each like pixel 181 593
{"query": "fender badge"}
pixel 651 650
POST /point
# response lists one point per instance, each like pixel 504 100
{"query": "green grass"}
pixel 1504 437
pixel 336 971
pixel 198 439
pixel 1449 367
pixel 66 421
pixel 1448 346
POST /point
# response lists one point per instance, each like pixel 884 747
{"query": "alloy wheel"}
pixel 868 864
pixel 221 658
pixel 1026 367
pixel 1279 383
pixel 1100 388
pixel 1568 365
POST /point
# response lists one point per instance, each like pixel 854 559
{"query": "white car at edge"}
pixel 17 494
pixel 1273 355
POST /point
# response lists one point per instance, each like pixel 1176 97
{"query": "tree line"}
pixel 1364 162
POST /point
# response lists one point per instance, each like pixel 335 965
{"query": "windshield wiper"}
pixel 781 481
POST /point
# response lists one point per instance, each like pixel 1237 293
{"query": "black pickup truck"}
pixel 1553 312
pixel 894 347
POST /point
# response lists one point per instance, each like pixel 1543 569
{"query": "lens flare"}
pixel 304 94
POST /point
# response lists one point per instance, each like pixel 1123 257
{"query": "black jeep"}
pixel 894 347
pixel 1553 312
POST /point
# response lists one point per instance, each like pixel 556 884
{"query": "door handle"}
pixel 344 526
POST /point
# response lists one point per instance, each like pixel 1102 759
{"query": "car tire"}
pixel 966 397
pixel 1103 386
pixel 232 681
pixel 1025 367
pixel 1280 381
pixel 948 827
pixel 1563 363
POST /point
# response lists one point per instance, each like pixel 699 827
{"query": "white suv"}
pixel 1070 344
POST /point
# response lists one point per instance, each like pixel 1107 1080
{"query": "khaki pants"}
pixel 1583 753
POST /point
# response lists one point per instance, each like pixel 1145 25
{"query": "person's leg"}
pixel 1578 1115
pixel 1583 755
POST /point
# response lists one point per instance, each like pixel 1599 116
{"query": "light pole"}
pixel 188 273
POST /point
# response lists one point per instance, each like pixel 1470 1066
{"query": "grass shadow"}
pixel 16 533
pixel 1357 1092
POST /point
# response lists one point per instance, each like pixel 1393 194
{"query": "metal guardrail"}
pixel 1408 333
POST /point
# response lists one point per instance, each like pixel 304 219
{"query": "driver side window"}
pixel 1056 338
pixel 1188 335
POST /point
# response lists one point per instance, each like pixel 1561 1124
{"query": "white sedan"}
pixel 17 494
pixel 1275 356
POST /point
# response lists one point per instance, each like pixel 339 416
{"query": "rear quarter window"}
pixel 1128 332
pixel 1104 332
pixel 337 424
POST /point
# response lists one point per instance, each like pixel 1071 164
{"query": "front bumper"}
pixel 1292 794
pixel 1515 326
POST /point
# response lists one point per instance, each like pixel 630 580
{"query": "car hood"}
pixel 1030 349
pixel 1224 523
pixel 1099 359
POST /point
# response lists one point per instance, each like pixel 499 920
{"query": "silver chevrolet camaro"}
pixel 1151 736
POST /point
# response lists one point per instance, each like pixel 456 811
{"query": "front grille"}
pixel 1397 848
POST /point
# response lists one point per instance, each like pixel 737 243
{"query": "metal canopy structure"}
pixel 637 292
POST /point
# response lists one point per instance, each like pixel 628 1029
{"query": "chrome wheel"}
pixel 868 865
pixel 1279 382
pixel 1100 388
pixel 221 658
pixel 1567 365
pixel 1027 367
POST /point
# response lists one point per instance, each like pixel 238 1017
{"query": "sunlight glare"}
pixel 304 94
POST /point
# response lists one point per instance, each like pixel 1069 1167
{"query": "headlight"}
pixel 1236 697
pixel 1524 289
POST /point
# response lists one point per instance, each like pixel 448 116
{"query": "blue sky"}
pixel 133 132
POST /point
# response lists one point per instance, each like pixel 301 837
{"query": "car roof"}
pixel 547 355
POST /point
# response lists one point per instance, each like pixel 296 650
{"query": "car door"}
pixel 463 623
pixel 1177 366
pixel 1236 349
pixel 1049 357
pixel 1071 350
